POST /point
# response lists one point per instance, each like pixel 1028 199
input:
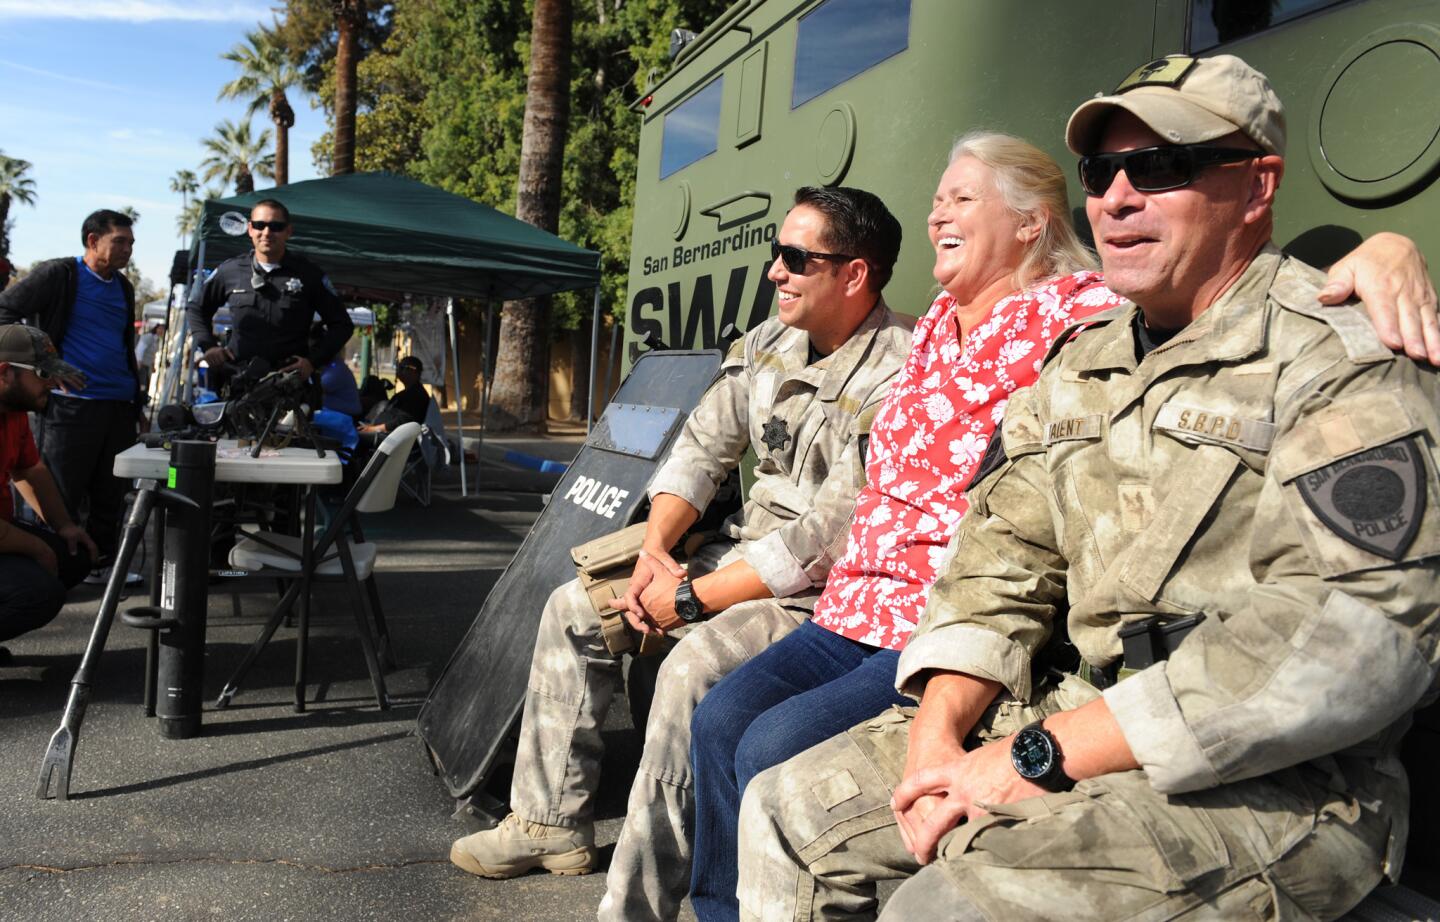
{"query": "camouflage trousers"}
pixel 817 833
pixel 573 678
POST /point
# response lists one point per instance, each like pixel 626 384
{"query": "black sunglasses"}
pixel 272 225
pixel 795 257
pixel 1156 169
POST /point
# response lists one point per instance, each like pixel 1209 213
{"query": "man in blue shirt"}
pixel 87 308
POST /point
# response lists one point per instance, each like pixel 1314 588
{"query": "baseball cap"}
pixel 1188 100
pixel 410 361
pixel 26 345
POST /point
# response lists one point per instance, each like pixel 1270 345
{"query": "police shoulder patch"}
pixel 1374 499
pixel 329 285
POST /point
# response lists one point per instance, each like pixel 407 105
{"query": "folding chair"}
pixel 431 449
pixel 335 556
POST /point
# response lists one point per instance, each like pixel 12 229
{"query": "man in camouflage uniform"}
pixel 800 390
pixel 1227 451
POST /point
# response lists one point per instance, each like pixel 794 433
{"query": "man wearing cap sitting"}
pixel 37 565
pixel 409 405
pixel 1226 497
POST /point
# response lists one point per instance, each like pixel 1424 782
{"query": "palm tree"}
pixel 129 212
pixel 14 186
pixel 184 184
pixel 522 361
pixel 265 75
pixel 349 20
pixel 189 218
pixel 237 157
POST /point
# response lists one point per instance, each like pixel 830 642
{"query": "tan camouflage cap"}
pixel 29 346
pixel 1188 100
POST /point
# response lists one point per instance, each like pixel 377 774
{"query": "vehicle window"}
pixel 1215 22
pixel 841 38
pixel 692 130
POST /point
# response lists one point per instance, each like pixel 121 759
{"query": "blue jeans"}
pixel 803 690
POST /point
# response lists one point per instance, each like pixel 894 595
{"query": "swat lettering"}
pixel 599 498
pixel 694 325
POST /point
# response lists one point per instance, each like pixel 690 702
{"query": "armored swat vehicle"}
pixel 777 94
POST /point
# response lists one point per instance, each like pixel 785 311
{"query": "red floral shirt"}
pixel 925 444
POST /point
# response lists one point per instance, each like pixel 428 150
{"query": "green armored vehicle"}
pixel 777 94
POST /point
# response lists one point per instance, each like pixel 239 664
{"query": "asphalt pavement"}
pixel 272 814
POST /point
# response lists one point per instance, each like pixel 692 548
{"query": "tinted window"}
pixel 1215 22
pixel 692 130
pixel 841 38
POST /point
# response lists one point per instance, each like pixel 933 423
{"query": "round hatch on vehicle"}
pixel 680 205
pixel 1376 132
pixel 835 144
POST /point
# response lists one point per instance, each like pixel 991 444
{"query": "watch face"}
pixel 1032 753
pixel 686 605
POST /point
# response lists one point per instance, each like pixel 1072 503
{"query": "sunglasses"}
pixel 276 226
pixel 1156 169
pixel 40 373
pixel 795 257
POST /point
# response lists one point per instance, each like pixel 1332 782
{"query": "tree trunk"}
pixel 283 116
pixel 580 399
pixel 245 183
pixel 521 369
pixel 4 229
pixel 349 15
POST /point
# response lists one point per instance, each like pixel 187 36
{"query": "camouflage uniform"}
pixel 1199 480
pixel 805 424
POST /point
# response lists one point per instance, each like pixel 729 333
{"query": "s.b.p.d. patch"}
pixel 1374 499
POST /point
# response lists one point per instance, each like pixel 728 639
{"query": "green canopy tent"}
pixel 379 231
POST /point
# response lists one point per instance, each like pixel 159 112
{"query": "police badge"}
pixel 294 286
pixel 1374 500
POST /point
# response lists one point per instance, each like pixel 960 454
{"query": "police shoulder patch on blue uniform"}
pixel 329 286
pixel 1374 500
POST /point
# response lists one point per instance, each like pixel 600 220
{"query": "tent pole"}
pixel 484 394
pixel 612 361
pixel 188 380
pixel 594 360
pixel 459 419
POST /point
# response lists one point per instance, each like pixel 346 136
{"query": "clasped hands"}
pixel 945 787
pixel 649 601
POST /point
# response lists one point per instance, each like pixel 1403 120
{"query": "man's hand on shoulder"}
pixel 1389 274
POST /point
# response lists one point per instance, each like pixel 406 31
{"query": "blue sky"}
pixel 108 98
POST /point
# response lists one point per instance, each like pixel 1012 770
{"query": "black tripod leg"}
pixel 281 611
pixel 60 752
pixel 152 638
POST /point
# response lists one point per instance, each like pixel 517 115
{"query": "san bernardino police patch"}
pixel 1374 500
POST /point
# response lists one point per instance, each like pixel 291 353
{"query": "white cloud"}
pixel 137 10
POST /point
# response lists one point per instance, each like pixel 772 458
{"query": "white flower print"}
pixel 968 449
pixel 939 409
pixel 977 392
pixel 997 412
pixel 1015 350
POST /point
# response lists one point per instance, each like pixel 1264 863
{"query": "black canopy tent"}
pixel 379 231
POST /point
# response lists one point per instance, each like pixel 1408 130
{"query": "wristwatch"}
pixel 1037 757
pixel 686 605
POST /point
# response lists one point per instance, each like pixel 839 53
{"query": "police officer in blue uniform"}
pixel 273 296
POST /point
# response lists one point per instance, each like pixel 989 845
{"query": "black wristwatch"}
pixel 686 605
pixel 1037 757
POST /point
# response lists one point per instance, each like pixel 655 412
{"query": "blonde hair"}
pixel 1032 185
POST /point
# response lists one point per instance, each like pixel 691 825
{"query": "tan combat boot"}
pixel 517 846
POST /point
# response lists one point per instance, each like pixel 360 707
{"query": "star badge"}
pixel 776 435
